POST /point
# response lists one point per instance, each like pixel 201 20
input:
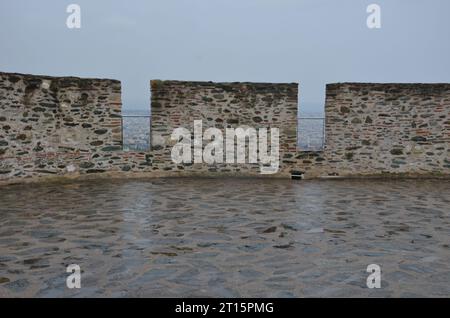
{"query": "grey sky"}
pixel 312 42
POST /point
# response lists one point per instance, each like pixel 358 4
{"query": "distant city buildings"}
pixel 136 133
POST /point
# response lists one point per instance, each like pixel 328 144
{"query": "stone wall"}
pixel 67 127
pixel 70 127
pixel 386 129
pixel 51 125
pixel 223 105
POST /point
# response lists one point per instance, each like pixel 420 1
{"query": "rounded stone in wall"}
pixel 71 168
pixel 46 84
pixel 158 140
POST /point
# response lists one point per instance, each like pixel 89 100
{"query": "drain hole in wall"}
pixel 297 175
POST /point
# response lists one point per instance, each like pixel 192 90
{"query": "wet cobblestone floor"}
pixel 226 238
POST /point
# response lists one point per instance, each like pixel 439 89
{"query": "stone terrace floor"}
pixel 226 238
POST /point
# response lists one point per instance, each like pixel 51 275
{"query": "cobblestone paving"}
pixel 226 238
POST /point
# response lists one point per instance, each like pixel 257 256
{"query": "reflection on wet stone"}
pixel 226 238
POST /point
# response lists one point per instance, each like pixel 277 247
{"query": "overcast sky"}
pixel 312 42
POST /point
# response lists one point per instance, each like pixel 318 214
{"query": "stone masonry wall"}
pixel 70 127
pixel 386 129
pixel 223 105
pixel 51 125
